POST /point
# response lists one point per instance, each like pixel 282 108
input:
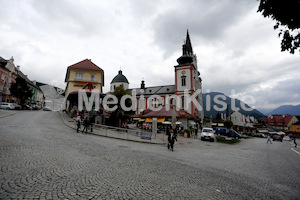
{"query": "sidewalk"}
pixel 130 134
pixel 5 113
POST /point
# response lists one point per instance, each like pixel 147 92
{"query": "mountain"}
pixel 208 99
pixel 286 109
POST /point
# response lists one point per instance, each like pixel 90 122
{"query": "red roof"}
pixel 284 120
pixel 86 64
pixel 168 113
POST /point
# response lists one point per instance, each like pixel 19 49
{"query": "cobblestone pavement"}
pixel 41 158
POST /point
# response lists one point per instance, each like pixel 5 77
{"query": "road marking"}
pixel 295 151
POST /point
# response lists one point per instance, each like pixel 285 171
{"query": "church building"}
pixel 187 79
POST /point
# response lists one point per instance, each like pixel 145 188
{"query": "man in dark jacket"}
pixel 171 140
pixel 85 124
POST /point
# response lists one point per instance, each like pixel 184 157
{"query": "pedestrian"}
pixel 269 139
pixel 196 132
pixel 295 143
pixel 171 140
pixel 85 124
pixel 78 122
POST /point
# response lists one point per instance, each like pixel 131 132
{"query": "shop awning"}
pixel 136 119
pixel 158 120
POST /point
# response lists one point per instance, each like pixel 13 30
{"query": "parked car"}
pixel 47 109
pixel 17 106
pixel 207 134
pixel 287 138
pixel 277 137
pixel 227 132
pixel 221 131
pixel 7 106
pixel 234 134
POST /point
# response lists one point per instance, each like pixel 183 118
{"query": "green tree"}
pixel 21 90
pixel 286 15
pixel 228 124
pixel 120 116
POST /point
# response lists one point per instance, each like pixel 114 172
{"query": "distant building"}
pixel 295 128
pixel 77 77
pixel 37 97
pixel 7 76
pixel 280 122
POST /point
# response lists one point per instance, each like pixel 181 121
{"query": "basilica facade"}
pixel 186 94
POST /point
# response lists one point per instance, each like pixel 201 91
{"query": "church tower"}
pixel 118 80
pixel 187 77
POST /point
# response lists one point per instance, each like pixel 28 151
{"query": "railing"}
pixel 120 133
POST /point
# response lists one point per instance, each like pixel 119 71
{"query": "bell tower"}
pixel 187 77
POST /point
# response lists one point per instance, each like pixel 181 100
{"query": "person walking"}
pixel 171 140
pixel 85 124
pixel 295 143
pixel 269 139
pixel 78 122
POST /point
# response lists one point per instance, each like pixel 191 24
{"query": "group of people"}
pixel 86 122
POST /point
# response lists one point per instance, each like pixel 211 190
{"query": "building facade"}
pixel 78 76
pixel 187 79
pixel 7 76
pixel 280 122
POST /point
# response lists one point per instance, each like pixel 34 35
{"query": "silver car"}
pixel 7 106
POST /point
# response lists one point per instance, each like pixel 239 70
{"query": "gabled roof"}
pixel 284 119
pixel 86 64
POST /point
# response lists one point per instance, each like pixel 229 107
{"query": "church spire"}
pixel 188 44
pixel 187 51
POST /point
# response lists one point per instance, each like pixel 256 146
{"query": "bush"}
pixel 223 140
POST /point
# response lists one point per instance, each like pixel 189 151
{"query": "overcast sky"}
pixel 237 48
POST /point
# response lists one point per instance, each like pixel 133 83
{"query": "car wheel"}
pixel 212 140
pixel 6 108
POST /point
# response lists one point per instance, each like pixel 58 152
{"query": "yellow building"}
pixel 295 128
pixel 78 76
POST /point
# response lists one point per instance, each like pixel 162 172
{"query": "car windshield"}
pixel 207 130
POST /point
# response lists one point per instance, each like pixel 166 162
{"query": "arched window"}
pixel 183 81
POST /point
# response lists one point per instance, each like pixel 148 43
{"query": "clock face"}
pixel 183 72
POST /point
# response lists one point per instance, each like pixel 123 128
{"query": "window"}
pixel 182 101
pixel 183 81
pixel 1 86
pixel 78 75
pixel 2 76
pixel 92 77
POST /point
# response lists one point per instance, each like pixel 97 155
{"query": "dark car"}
pixel 234 134
pixel 221 131
pixel 17 106
pixel 277 137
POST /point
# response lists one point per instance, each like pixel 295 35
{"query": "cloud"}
pixel 236 47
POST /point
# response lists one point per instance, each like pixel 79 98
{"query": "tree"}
pixel 21 90
pixel 286 15
pixel 228 124
pixel 119 116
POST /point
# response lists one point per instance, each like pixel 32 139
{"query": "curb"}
pixel 91 133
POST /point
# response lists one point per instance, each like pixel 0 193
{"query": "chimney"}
pixel 143 84
pixel 18 67
pixel 34 82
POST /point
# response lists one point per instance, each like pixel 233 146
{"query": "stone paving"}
pixel 41 158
